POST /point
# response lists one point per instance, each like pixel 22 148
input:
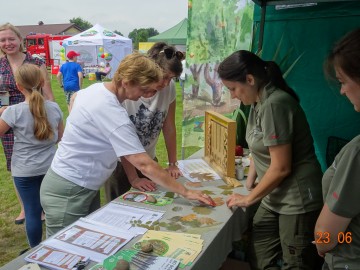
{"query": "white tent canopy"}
pixel 98 45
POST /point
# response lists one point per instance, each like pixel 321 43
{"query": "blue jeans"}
pixel 29 191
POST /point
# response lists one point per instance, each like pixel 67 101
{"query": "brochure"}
pixel 53 258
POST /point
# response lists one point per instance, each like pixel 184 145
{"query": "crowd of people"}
pixel 301 211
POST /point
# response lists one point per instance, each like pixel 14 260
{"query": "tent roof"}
pixel 176 35
pixel 95 35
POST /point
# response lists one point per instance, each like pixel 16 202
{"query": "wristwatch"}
pixel 173 163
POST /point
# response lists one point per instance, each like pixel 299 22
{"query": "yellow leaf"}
pixel 188 217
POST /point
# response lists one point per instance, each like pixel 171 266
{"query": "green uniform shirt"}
pixel 278 119
pixel 341 191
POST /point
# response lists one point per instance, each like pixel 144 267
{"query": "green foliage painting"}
pixel 216 28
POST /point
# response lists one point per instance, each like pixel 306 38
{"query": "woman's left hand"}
pixel 237 200
pixel 174 171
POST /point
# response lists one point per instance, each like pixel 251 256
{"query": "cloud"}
pixel 121 15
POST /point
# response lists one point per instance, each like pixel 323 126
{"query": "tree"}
pixel 81 23
pixel 141 35
pixel 118 32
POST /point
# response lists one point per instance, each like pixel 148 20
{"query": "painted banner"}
pixel 216 28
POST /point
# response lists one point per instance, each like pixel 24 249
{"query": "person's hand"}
pixel 143 184
pixel 174 171
pixel 237 200
pixel 199 196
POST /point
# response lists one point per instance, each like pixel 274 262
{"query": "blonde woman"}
pixel 12 49
pixel 98 132
pixel 37 125
pixel 150 116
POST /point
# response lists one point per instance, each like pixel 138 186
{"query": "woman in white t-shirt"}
pixel 37 126
pixel 151 116
pixel 98 132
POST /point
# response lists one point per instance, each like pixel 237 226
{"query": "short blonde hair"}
pixel 9 26
pixel 138 69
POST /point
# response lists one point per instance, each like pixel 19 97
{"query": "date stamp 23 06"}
pixel 326 238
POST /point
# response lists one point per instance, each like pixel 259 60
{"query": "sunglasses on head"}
pixel 171 53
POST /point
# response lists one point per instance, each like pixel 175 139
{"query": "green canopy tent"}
pixel 264 3
pixel 299 38
pixel 176 35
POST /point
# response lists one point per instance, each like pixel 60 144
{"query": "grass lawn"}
pixel 12 237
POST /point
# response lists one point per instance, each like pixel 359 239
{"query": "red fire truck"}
pixel 45 45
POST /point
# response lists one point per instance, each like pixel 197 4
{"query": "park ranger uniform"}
pixel 285 220
pixel 341 188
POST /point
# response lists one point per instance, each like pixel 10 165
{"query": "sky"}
pixel 121 15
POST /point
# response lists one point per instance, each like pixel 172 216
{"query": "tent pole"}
pixel 262 25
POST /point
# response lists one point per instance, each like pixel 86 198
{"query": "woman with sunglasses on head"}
pixel 12 49
pixel 284 161
pixel 98 132
pixel 151 115
pixel 337 230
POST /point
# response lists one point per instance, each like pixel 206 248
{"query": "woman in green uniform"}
pixel 284 162
pixel 337 230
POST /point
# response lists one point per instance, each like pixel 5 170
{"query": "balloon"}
pixel 61 43
pixel 64 45
pixel 101 49
pixel 108 57
pixel 106 54
pixel 62 50
pixel 102 56
pixel 99 54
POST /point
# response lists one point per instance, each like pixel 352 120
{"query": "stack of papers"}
pixel 124 216
pixel 96 237
pixel 138 260
pixel 180 246
pixel 52 258
pixel 92 240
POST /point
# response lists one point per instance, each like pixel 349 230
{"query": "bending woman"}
pixel 98 132
pixel 284 162
pixel 150 116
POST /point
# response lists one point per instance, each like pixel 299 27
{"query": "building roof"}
pixel 53 29
pixel 176 35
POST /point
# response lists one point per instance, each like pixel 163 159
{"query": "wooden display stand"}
pixel 220 135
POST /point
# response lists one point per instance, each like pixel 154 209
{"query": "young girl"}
pixel 37 126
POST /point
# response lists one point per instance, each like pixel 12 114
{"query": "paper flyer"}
pixel 54 258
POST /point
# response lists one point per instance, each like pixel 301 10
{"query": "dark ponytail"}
pixel 241 63
pixel 277 79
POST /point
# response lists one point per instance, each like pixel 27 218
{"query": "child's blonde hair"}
pixel 29 76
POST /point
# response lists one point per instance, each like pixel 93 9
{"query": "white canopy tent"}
pixel 98 45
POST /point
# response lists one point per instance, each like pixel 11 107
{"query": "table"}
pixel 87 70
pixel 217 239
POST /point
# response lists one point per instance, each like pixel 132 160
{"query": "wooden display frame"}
pixel 220 136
